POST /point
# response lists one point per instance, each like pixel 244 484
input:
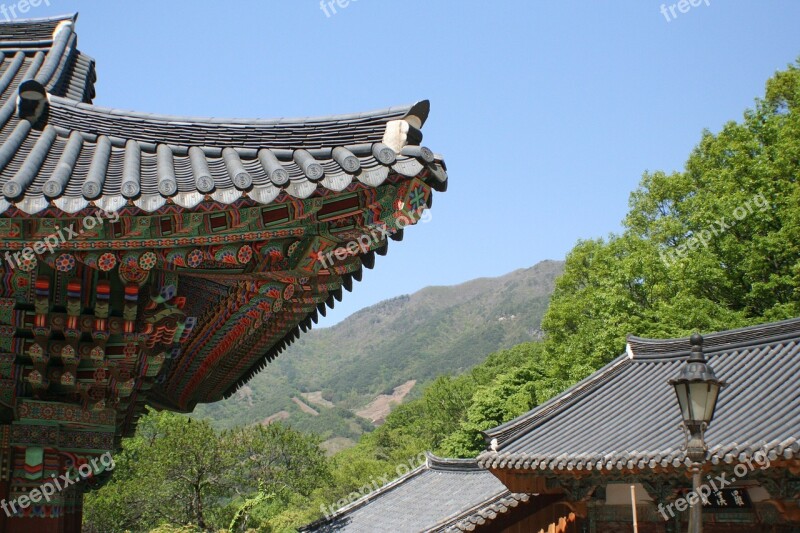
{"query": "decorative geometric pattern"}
pixel 176 259
pixel 27 263
pixel 148 261
pixel 288 292
pixel 195 258
pixel 65 262
pixel 64 413
pixel 245 254
pixel 107 261
pixel 132 273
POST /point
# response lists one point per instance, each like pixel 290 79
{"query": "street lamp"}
pixel 697 389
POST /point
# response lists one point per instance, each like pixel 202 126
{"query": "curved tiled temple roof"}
pixel 442 495
pixel 215 258
pixel 625 416
pixel 83 153
pixel 110 157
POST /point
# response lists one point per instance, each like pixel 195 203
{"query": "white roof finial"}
pixel 62 26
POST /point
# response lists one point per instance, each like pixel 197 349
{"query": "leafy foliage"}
pixel 505 398
pixel 179 471
pixel 710 248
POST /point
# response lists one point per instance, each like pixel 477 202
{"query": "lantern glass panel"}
pixel 682 392
pixel 699 396
pixel 711 402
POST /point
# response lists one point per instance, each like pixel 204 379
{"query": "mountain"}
pixel 381 354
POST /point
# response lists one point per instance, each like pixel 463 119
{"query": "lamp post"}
pixel 697 389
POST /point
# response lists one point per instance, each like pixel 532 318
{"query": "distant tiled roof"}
pixel 445 495
pixel 31 31
pixel 625 416
pixel 82 153
pixel 31 48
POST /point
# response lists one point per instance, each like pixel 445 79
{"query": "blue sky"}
pixel 547 112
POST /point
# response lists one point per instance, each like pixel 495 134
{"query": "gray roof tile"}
pixel 240 156
pixel 441 495
pixel 625 415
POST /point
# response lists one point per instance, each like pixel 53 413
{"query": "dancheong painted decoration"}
pixel 162 260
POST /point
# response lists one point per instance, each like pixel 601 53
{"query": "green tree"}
pixel 507 397
pixel 276 459
pixel 710 248
pixel 179 472
pixel 172 472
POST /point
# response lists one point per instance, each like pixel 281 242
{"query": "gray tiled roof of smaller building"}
pixel 625 416
pixel 71 153
pixel 443 495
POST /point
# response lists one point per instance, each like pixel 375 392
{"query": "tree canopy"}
pixel 179 471
pixel 713 247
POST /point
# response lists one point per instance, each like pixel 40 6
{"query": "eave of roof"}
pixel 624 416
pixel 482 513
